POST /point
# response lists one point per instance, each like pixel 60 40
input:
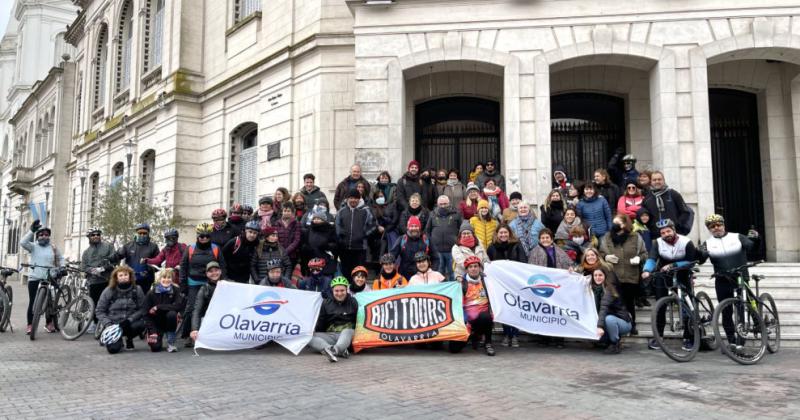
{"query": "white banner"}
pixel 242 316
pixel 541 300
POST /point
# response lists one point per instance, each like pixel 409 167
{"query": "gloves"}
pixel 635 260
pixel 704 248
pixel 613 259
pixel 35 225
pixel 752 234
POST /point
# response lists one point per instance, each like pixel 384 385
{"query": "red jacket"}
pixel 288 236
pixel 629 205
pixel 173 255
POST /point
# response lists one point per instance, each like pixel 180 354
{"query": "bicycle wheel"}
pixel 705 314
pixel 63 298
pixel 39 304
pixel 5 311
pixel 76 317
pixel 746 343
pixel 769 312
pixel 680 340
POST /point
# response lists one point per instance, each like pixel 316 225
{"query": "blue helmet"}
pixel 144 226
pixel 172 232
pixel 253 225
pixel 665 223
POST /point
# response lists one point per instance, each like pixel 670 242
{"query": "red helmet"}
pixel 236 208
pixel 472 260
pixel 219 213
pixel 318 263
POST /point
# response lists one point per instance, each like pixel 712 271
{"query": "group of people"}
pixel 620 230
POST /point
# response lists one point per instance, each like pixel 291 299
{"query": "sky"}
pixel 5 10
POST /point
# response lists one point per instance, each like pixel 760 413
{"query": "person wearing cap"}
pixel 442 229
pixel 203 299
pixel 409 245
pixel 96 260
pixel 511 212
pixel 267 250
pixel 266 214
pixel 477 311
pixel 311 193
pixel 194 271
pixel 336 322
pixel 425 273
pixel 319 241
pixel 414 209
pixel 469 207
pixel 560 180
pixel 348 184
pixel 410 184
pixel 238 252
pixel 354 225
pixel 359 283
pixel 316 280
pixel 483 224
pixel 43 254
pixel 319 208
pixel 669 250
pixel 275 276
pixel 134 254
pixel 631 200
pixel 389 277
pixel 467 245
pixel 491 171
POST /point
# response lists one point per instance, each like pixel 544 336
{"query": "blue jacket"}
pixel 596 213
pixel 46 256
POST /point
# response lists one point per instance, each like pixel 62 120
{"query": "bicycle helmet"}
pixel 317 263
pixel 204 229
pixel 43 229
pixel 93 231
pixel 253 225
pixel 111 334
pixel 274 263
pixel 143 226
pixel 219 213
pixel 665 223
pixel 629 158
pixel 421 256
pixel 172 232
pixel 713 219
pixel 472 259
pixel 247 209
pixel 339 281
pixel 236 208
pixel 359 269
pixel 387 258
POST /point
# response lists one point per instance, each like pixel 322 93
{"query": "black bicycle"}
pixel 687 317
pixel 76 317
pixel 750 322
pixel 50 299
pixel 6 299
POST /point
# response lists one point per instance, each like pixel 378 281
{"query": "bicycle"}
pixel 687 318
pixel 50 299
pixel 6 299
pixel 754 319
pixel 76 317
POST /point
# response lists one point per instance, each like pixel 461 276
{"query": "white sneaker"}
pixel 171 348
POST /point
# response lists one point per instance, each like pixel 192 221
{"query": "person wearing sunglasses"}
pixel 42 254
pixel 134 254
pixel 193 270
pixel 631 200
pixel 96 260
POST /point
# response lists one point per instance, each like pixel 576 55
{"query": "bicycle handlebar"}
pixel 690 266
pixel 733 272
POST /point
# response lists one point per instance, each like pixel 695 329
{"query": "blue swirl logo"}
pixel 541 286
pixel 267 303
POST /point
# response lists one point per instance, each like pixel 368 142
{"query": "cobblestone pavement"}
pixel 52 377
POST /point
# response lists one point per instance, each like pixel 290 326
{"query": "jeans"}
pixel 510 331
pixel 189 311
pixel 616 327
pixel 446 265
pixel 629 292
pixel 340 341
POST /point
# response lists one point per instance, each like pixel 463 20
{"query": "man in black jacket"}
pixel 238 253
pixel 311 193
pixel 134 253
pixel 223 231
pixel 204 295
pixel 194 270
pixel 348 184
pixel 665 203
pixel 354 224
pixel 409 245
pixel 442 229
pixel 97 261
pixel 336 322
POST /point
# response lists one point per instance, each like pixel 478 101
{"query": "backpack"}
pixel 214 250
pixel 687 227
pixel 404 239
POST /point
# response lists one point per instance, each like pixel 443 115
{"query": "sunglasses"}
pixel 42 234
pixel 203 236
pixel 631 188
pixel 142 233
pixel 94 234
pixel 715 225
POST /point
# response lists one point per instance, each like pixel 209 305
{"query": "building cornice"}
pixel 37 89
pixel 75 29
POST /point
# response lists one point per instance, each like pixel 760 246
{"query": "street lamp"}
pixel 47 189
pixel 129 146
pixel 3 232
pixel 82 172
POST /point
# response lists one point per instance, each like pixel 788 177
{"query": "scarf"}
pixel 550 251
pixel 415 211
pixel 621 238
pixel 265 217
pixel 524 234
pixel 162 289
pixel 355 289
pixel 657 194
pixel 491 193
pixel 592 267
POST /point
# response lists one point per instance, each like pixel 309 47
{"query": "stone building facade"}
pixel 227 100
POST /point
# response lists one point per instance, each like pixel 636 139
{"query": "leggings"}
pixel 629 292
pixel 660 283
pixel 95 290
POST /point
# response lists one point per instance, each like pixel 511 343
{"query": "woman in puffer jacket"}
pixel 484 224
pixel 594 211
pixel 466 245
pixel 122 302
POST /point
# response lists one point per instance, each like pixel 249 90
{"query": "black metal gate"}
pixel 585 130
pixel 736 162
pixel 457 132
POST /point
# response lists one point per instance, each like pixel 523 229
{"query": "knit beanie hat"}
pixel 465 225
pixel 483 204
pixel 414 221
pixel 515 194
pixel 472 186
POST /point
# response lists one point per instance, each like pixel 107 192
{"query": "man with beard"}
pixel 133 254
pixel 348 184
pixel 238 252
pixel 409 245
pixel 96 259
pixel 408 185
pixel 491 172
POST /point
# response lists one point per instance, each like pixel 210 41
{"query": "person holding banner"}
pixel 547 254
pixel 203 299
pixel 425 274
pixel 389 278
pixel 466 246
pixel 613 319
pixel 506 247
pixel 336 322
pixel 477 311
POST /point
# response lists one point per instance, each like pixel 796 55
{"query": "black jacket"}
pixel 319 241
pixel 607 304
pixel 98 255
pixel 238 253
pixel 284 282
pixel 353 226
pixel 675 209
pixel 131 253
pixel 611 193
pixel 264 253
pixel 201 302
pixel 551 218
pixel 336 316
pixel 507 251
pixel 167 302
pixel 442 229
pixel 406 247
pixel 410 184
pixel 195 267
pixel 223 235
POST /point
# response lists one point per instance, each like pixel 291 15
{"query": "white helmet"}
pixel 111 334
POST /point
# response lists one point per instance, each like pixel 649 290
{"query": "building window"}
pixel 94 191
pixel 5 148
pixel 124 47
pixel 117 173
pixel 245 8
pixel 100 60
pixel 51 147
pixel 153 34
pixel 148 162
pixel 244 164
pixel 13 238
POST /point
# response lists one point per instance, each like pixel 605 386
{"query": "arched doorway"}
pixel 586 129
pixel 457 132
pixel 736 162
